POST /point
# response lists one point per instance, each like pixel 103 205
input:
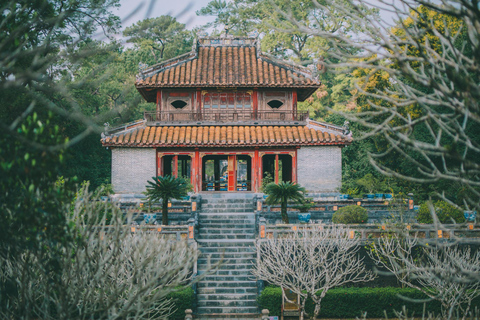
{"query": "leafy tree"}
pixel 163 36
pixel 166 188
pixel 445 212
pixel 282 193
pixel 423 109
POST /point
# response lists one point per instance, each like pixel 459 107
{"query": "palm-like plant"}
pixel 166 188
pixel 282 193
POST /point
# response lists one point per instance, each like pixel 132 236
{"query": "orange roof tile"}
pixel 226 65
pixel 223 136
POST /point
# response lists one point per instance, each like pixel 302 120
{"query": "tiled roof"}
pixel 223 136
pixel 238 65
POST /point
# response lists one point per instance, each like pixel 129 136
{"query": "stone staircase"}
pixel 227 233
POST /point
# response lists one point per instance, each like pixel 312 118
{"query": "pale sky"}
pixel 183 10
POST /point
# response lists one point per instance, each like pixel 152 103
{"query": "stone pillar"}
pixel 188 314
pixel 265 314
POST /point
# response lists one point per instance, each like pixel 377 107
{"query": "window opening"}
pixel 244 173
pixel 275 104
pixel 178 104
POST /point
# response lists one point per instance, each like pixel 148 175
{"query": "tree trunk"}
pixel 284 212
pixel 165 212
pixel 316 313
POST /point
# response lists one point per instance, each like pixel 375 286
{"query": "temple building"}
pixel 226 117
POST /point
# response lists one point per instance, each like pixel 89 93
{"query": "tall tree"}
pixel 164 36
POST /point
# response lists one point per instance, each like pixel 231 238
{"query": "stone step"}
pixel 226 226
pixel 206 231
pixel 226 243
pixel 223 316
pixel 229 278
pixel 226 296
pixel 226 200
pixel 227 272
pixel 228 195
pixel 227 219
pixel 227 284
pixel 228 211
pixel 226 265
pixel 229 256
pixel 207 250
pixel 225 310
pixel 227 205
pixel 226 236
pixel 251 290
pixel 227 303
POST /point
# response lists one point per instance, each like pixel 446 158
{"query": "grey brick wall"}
pixel 131 168
pixel 319 169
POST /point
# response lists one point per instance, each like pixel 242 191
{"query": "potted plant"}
pixel 304 214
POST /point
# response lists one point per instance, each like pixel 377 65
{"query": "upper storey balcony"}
pixel 211 117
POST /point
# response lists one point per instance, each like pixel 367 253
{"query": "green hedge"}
pixel 182 300
pixel 350 214
pixel 353 302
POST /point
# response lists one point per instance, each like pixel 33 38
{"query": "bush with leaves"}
pixel 445 212
pixel 350 214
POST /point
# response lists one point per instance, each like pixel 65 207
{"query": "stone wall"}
pixel 131 168
pixel 319 169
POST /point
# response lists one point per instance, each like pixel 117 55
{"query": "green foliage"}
pixel 163 37
pixel 267 179
pixel 306 205
pixel 31 199
pixel 182 300
pixel 166 188
pixel 445 212
pixel 350 303
pixel 370 183
pixel 350 214
pixel 282 193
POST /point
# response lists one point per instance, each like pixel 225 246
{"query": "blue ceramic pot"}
pixel 149 218
pixel 304 217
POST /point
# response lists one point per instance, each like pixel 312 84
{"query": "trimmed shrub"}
pixel 445 213
pixel 350 214
pixel 182 300
pixel 349 303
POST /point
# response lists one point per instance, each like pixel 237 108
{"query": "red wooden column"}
pixel 255 103
pixel 175 166
pixel 232 172
pixel 159 164
pixel 199 104
pixel 294 167
pixel 294 104
pixel 193 172
pixel 198 175
pixel 159 103
pixel 276 168
pixel 256 172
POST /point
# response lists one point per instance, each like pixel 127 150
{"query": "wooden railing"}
pixel 224 115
